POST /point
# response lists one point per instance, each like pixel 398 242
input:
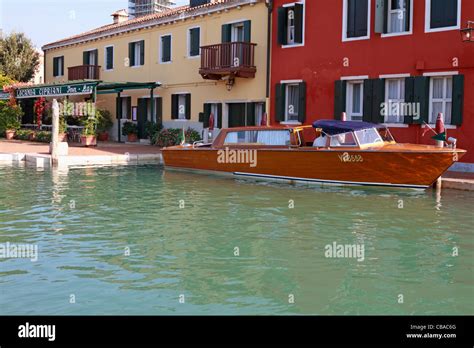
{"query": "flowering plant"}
pixel 40 107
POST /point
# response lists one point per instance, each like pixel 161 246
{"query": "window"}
pixel 136 53
pixel 368 136
pixel 443 15
pixel 58 66
pixel 356 18
pixel 90 57
pixel 441 97
pixel 398 16
pixel 165 49
pixel 395 97
pixel 237 32
pixel 194 38
pixel 290 100
pixel 344 139
pixel 181 106
pixel 291 24
pixel 109 58
pixel 269 138
pixel 355 101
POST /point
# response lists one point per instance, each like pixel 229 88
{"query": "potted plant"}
pixel 62 129
pixel 104 123
pixel 130 129
pixel 10 116
pixel 88 136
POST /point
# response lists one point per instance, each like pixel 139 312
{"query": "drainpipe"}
pixel 269 4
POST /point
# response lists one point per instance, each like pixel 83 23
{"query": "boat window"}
pixel 270 138
pixel 368 136
pixel 344 139
pixel 386 135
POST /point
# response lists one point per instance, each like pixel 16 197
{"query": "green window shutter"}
pixel 129 107
pixel 85 58
pixel 339 98
pixel 247 31
pixel 219 116
pixel 444 13
pixel 188 106
pixel 159 110
pixel 422 96
pixel 408 15
pixel 174 106
pixel 302 102
pixel 96 53
pixel 166 48
pixel 110 58
pixel 207 114
pixel 250 114
pixel 458 100
pixel 55 67
pixel 118 108
pixel 201 118
pixel 131 53
pixel 357 11
pixel 409 96
pixel 226 33
pixel 299 22
pixel 368 100
pixel 280 102
pixel 62 66
pixel 195 42
pixel 282 26
pixel 381 10
pixel 378 97
pixel 142 52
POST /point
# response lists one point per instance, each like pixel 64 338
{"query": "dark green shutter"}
pixel 194 44
pixel 299 21
pixel 174 106
pixel 280 102
pixel 110 58
pixel 444 13
pixel 247 31
pixel 96 53
pixel 207 114
pixel 378 97
pixel 422 96
pixel 201 118
pixel 408 15
pixel 159 110
pixel 351 18
pixel 142 52
pixel 458 100
pixel 357 11
pixel 226 33
pixel 62 66
pixel 250 114
pixel 385 16
pixel 131 53
pixel 339 98
pixel 219 116
pixel 367 100
pixel 409 96
pixel 380 16
pixel 166 47
pixel 188 106
pixel 302 102
pixel 282 26
pixel 55 67
pixel 85 58
pixel 118 108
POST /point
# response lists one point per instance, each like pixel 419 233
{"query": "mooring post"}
pixel 55 135
pixel 439 143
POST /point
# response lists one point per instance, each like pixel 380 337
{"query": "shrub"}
pixel 10 117
pixel 23 134
pixel 152 130
pixel 171 136
pixel 104 120
pixel 43 136
pixel 129 128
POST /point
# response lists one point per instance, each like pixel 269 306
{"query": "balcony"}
pixel 235 59
pixel 84 72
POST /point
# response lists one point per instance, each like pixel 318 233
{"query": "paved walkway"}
pixel 103 148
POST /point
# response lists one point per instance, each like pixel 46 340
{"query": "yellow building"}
pixel 207 58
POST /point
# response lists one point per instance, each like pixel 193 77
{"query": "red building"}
pixel 398 62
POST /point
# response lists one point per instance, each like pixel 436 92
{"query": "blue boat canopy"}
pixel 333 127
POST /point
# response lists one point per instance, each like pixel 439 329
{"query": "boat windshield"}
pixel 386 135
pixel 343 139
pixel 368 136
pixel 259 137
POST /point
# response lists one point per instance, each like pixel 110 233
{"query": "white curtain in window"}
pixel 273 138
pixel 293 100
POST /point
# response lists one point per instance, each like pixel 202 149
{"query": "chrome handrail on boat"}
pixel 201 143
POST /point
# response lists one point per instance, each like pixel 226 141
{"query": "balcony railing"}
pixel 229 58
pixel 84 72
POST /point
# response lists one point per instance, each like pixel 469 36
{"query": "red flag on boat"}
pixel 264 119
pixel 211 122
pixel 440 124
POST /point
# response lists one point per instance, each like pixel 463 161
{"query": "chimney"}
pixel 120 16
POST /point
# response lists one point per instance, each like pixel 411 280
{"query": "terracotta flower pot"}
pixel 10 134
pixel 88 140
pixel 132 138
pixel 32 136
pixel 104 136
pixel 62 137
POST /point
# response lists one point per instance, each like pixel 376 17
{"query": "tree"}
pixel 5 81
pixel 18 57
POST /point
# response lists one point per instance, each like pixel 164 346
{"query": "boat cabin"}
pixel 323 134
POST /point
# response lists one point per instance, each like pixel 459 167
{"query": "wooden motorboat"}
pixel 343 153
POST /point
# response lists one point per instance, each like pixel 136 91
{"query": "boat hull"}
pixel 414 167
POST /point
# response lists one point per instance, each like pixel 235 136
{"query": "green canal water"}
pixel 117 240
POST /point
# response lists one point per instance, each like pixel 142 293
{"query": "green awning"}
pixel 115 87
